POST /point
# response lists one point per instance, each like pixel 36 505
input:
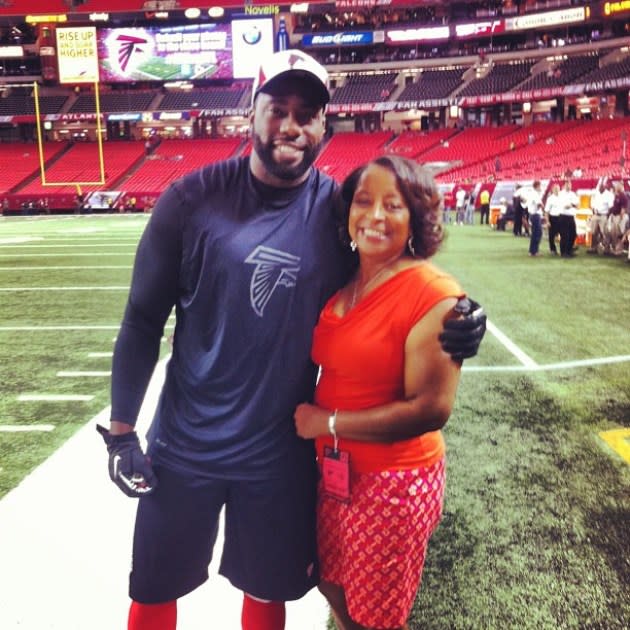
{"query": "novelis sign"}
pixel 272 9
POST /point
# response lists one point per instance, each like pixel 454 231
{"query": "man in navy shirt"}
pixel 247 253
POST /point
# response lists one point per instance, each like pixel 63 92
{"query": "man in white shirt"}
pixel 552 211
pixel 601 202
pixel 568 208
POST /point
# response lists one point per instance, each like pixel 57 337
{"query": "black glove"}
pixel 462 336
pixel 129 468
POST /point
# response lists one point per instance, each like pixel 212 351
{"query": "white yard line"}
pixel 100 355
pixel 69 246
pixel 62 268
pixel 54 397
pixel 74 255
pixel 68 328
pixel 82 237
pixel 25 428
pixel 35 289
pixel 18 240
pixel 65 544
pixel 549 366
pixel 44 328
pixel 511 346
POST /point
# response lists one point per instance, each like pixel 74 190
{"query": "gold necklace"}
pixel 356 294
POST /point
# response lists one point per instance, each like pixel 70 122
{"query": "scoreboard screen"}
pixel 173 53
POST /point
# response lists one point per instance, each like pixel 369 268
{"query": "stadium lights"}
pixel 192 14
pixel 216 12
pixel 42 19
pixel 301 7
pixel 11 51
pixel 179 85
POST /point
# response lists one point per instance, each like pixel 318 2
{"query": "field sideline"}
pixel 535 526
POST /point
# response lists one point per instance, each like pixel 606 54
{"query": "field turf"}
pixel 535 528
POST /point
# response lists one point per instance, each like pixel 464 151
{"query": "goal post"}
pixel 99 141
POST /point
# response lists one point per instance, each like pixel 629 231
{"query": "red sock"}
pixel 262 615
pixel 152 616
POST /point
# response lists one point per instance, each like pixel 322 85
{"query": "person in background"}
pixel 615 219
pixel 484 206
pixel 447 209
pixel 601 203
pixel 552 214
pixel 469 215
pixel 506 213
pixel 79 202
pixel 625 239
pixel 386 389
pixel 518 207
pixel 460 206
pixel 624 224
pixel 535 213
pixel 246 251
pixel 568 232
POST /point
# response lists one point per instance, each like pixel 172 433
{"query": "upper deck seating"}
pixel 360 88
pixel 502 78
pixel 432 84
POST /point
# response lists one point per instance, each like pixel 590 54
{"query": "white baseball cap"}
pixel 296 64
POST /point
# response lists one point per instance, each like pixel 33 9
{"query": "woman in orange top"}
pixel 385 391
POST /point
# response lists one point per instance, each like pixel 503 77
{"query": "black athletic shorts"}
pixel 270 548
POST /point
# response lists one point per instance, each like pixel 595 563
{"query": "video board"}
pixel 173 53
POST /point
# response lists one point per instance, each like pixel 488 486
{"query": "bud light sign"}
pixel 338 39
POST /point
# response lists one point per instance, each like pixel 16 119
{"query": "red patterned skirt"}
pixel 374 547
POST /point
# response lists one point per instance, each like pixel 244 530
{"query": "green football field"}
pixel 158 69
pixel 537 511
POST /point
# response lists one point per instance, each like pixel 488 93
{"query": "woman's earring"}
pixel 410 246
pixel 353 245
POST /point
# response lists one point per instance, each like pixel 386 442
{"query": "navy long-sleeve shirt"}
pixel 248 269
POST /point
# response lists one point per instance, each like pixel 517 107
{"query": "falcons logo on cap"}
pixel 292 60
pixel 273 269
pixel 128 45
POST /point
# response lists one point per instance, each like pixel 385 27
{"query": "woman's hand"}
pixel 311 421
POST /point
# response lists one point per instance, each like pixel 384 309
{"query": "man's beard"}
pixel 284 171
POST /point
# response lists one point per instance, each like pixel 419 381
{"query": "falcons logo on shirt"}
pixel 273 269
pixel 128 45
